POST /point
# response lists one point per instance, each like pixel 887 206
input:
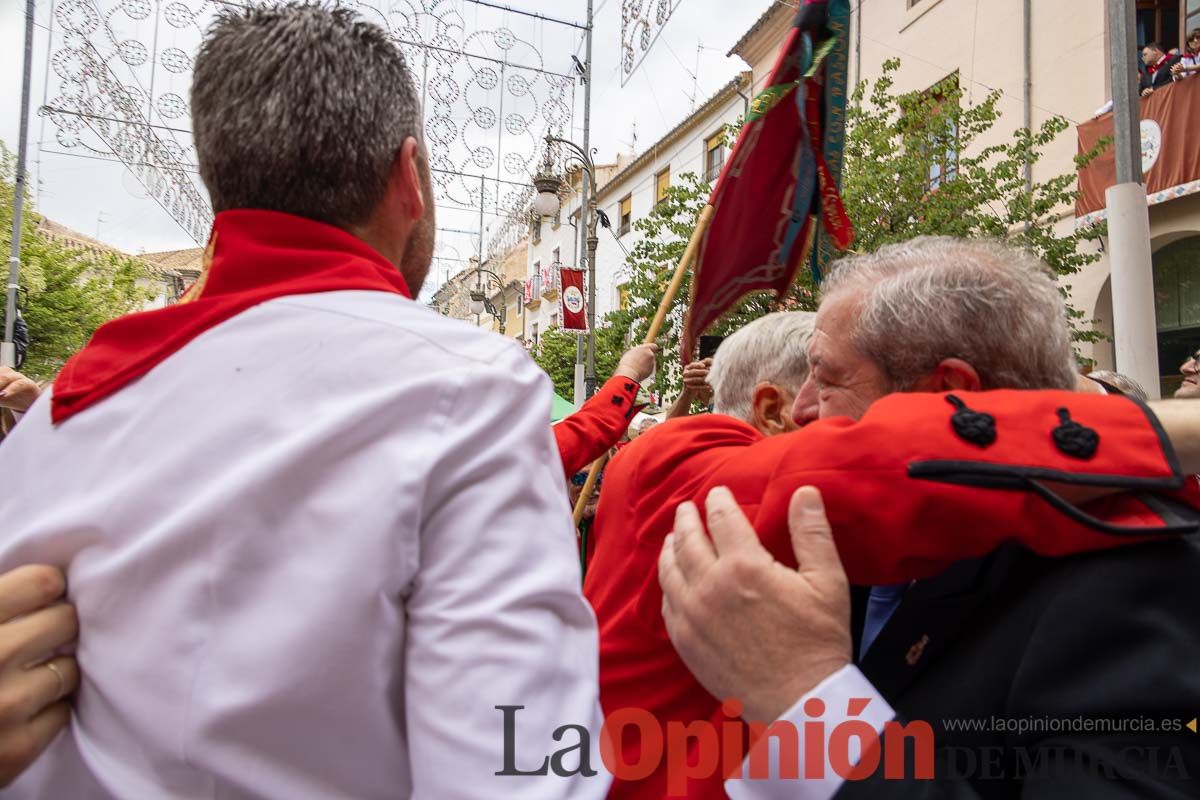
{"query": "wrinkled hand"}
pixel 748 627
pixel 16 391
pixel 34 624
pixel 638 362
pixel 695 380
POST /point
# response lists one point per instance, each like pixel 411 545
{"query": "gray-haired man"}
pixel 1090 647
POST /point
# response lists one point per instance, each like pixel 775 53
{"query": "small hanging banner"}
pixel 574 309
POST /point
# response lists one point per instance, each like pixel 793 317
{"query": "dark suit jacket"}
pixel 1112 636
pixel 1162 77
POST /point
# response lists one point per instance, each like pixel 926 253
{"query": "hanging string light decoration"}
pixel 122 70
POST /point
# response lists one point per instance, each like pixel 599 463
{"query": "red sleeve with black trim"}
pixel 925 480
pixel 599 424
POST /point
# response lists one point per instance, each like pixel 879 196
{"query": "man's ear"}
pixel 406 182
pixel 951 375
pixel 772 410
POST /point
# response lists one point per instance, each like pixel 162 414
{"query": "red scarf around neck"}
pixel 256 256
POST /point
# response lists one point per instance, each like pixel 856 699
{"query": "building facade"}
pixel 632 184
pixel 986 47
pixel 500 281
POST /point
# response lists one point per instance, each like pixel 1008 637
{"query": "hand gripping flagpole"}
pixel 685 263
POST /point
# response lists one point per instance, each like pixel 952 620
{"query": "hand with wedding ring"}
pixel 35 679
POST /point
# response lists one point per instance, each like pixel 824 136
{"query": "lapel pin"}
pixel 916 651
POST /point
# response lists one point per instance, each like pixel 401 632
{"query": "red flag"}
pixel 776 181
pixel 574 308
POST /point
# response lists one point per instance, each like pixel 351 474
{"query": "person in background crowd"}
pixel 696 388
pixel 587 543
pixel 1116 383
pixel 327 588
pixel 603 420
pixel 1158 68
pixel 17 394
pixel 1010 635
pixel 1190 369
pixel 1189 61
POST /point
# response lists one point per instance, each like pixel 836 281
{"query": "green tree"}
pixel 66 293
pixel 913 168
pixel 665 233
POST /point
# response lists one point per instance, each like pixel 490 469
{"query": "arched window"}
pixel 1177 304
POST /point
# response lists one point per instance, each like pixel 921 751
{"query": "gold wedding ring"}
pixel 62 682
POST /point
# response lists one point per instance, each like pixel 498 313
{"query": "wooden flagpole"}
pixel 685 263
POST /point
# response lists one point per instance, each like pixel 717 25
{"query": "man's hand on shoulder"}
pixel 748 627
pixel 34 625
pixel 638 362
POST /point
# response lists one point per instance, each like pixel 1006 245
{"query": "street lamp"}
pixel 481 304
pixel 547 204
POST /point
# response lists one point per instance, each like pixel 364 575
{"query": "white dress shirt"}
pixel 836 692
pixel 311 552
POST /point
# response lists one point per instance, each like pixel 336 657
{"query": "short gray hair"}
pixel 994 306
pixel 773 348
pixel 302 109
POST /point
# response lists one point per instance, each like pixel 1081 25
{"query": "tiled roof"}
pixel 776 10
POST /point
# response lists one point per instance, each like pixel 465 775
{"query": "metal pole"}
pixel 588 200
pixel 592 241
pixel 1027 46
pixel 479 262
pixel 1134 330
pixel 857 47
pixel 8 350
pixel 579 384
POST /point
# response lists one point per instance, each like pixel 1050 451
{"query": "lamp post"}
pixel 547 203
pixel 480 302
pixel 8 348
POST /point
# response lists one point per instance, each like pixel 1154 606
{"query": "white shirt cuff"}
pixel 842 693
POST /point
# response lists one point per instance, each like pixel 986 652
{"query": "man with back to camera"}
pixel 325 589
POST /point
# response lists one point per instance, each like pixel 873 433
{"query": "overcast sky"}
pixel 103 200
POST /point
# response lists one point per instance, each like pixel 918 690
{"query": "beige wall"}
pixel 983 41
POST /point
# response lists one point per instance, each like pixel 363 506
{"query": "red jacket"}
pixel 597 426
pixel 895 490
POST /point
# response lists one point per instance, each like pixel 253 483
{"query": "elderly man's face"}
pixel 841 381
pixel 1190 389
